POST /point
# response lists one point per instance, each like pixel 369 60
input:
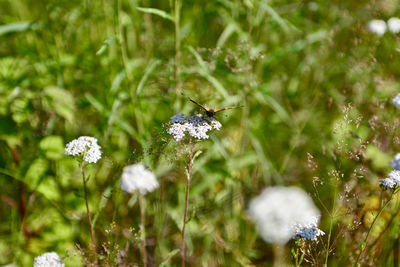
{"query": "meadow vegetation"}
pixel 316 86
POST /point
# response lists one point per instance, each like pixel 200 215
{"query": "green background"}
pixel 316 87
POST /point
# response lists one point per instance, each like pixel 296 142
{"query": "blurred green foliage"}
pixel 316 87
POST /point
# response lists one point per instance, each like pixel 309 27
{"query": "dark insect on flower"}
pixel 212 111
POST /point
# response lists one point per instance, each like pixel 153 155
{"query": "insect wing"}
pixel 222 109
pixel 200 105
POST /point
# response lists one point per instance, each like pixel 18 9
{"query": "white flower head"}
pixel 394 25
pixel 377 26
pixel 387 183
pixel 196 126
pixel 309 231
pixel 48 259
pixel 278 209
pixel 392 181
pixel 137 178
pixel 395 163
pixel 396 101
pixel 85 147
pixel 178 118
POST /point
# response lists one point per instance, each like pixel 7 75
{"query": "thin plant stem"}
pixel 88 212
pixel 331 225
pixel 177 45
pixel 364 243
pixel 386 227
pixel 177 65
pixel 189 170
pixel 142 230
pixel 297 257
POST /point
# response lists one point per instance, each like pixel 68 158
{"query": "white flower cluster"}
pixel 137 177
pixel 197 126
pixel 395 163
pixel 392 181
pixel 378 26
pixel 277 211
pixel 309 231
pixel 85 147
pixel 48 259
pixel 396 101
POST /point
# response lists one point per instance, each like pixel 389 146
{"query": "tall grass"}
pixel 312 79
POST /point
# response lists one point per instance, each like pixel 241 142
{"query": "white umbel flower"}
pixel 394 25
pixel 395 163
pixel 387 183
pixel 48 259
pixel 85 147
pixel 277 210
pixel 196 126
pixel 137 178
pixel 392 181
pixel 396 101
pixel 309 231
pixel 377 26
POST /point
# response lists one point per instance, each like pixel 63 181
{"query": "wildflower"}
pixel 396 101
pixel 277 210
pixel 394 25
pixel 309 231
pixel 392 181
pixel 137 177
pixel 179 118
pixel 48 259
pixel 396 162
pixel 196 126
pixel 387 183
pixel 377 26
pixel 85 147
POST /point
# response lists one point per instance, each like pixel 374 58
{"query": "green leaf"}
pixel 49 189
pixel 105 45
pixel 168 257
pixel 103 202
pixel 35 172
pixel 20 26
pixel 204 71
pixel 157 12
pixel 61 102
pixel 52 146
pixel 7 126
pixel 150 68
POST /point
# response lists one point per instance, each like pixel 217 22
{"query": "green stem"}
pixel 331 226
pixel 142 230
pixel 88 211
pixel 364 243
pixel 189 170
pixel 177 46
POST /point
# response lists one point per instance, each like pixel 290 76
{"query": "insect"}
pixel 212 111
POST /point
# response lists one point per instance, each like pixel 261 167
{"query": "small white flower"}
pixel 394 25
pixel 177 130
pixel 377 26
pixel 387 182
pixel 48 259
pixel 178 118
pixel 392 181
pixel 85 147
pixel 277 210
pixel 396 162
pixel 396 101
pixel 197 126
pixel 214 123
pixel 137 177
pixel 309 231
